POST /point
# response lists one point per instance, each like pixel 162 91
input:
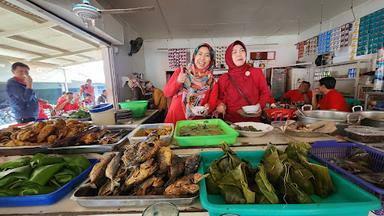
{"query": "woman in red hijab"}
pixel 243 85
pixel 193 87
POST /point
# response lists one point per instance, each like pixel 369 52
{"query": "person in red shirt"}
pixel 87 88
pixel 43 104
pixel 193 86
pixel 300 95
pixel 67 104
pixel 332 99
pixel 243 85
pixel 87 103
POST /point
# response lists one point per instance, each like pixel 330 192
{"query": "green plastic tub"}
pixel 348 200
pixel 138 107
pixel 229 135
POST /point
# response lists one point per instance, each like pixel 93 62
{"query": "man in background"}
pixel 87 88
pixel 87 103
pixel 67 104
pixel 22 99
pixel 102 98
pixel 301 95
pixel 44 105
pixel 332 99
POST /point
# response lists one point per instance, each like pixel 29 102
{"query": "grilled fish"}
pixel 148 148
pixel 97 175
pixel 176 169
pixel 184 186
pixel 164 157
pixel 138 175
pixel 191 164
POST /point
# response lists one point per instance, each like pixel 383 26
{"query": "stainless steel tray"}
pixel 93 148
pixel 126 201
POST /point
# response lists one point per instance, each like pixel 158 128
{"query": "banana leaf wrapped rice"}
pixel 281 177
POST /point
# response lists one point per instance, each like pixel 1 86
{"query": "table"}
pixel 68 206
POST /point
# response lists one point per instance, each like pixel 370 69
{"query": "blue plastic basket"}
pixel 348 199
pixel 323 151
pixel 46 199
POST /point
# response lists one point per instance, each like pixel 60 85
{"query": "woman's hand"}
pixel 221 108
pixel 182 76
pixel 247 115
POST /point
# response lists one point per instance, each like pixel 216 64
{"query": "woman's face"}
pixel 202 58
pixel 238 55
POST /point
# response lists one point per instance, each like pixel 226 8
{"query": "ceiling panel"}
pixel 28 37
pixel 201 18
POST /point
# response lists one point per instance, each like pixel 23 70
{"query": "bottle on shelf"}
pixel 379 74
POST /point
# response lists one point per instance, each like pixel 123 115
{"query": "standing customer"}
pixel 102 98
pixel 87 88
pixel 193 87
pixel 243 85
pixel 22 98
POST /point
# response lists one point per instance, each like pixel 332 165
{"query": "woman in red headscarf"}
pixel 193 89
pixel 243 85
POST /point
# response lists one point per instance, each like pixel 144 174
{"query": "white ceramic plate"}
pixel 265 128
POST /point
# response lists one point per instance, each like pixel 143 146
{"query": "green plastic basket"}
pixel 229 135
pixel 348 199
pixel 138 107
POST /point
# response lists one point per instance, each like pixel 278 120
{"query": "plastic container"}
pixel 229 135
pixel 348 199
pixel 365 134
pixel 164 139
pixel 138 107
pixel 46 199
pixel 322 151
pixel 103 114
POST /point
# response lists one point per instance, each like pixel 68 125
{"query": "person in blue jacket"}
pixel 21 97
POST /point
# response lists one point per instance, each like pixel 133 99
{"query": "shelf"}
pixel 348 79
pixel 375 93
pixel 343 63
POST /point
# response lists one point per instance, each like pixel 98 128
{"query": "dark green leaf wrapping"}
pixel 237 178
pixel 322 182
pixel 266 191
pixel 273 166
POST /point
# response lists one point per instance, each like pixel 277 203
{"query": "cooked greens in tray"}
pixel 201 130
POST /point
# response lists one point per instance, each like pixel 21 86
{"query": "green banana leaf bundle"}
pixel 265 191
pixel 234 186
pixel 290 191
pixel 220 167
pixel 273 165
pixel 281 177
pixel 40 174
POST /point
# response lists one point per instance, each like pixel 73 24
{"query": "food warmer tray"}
pixel 88 201
pixel 96 148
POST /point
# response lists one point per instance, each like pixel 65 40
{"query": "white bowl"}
pixel 251 109
pixel 265 128
pixel 199 110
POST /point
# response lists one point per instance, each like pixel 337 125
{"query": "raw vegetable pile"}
pixel 40 174
pixel 281 177
pixel 81 114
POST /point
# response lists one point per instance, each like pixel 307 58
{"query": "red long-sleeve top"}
pixel 176 111
pixel 254 86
